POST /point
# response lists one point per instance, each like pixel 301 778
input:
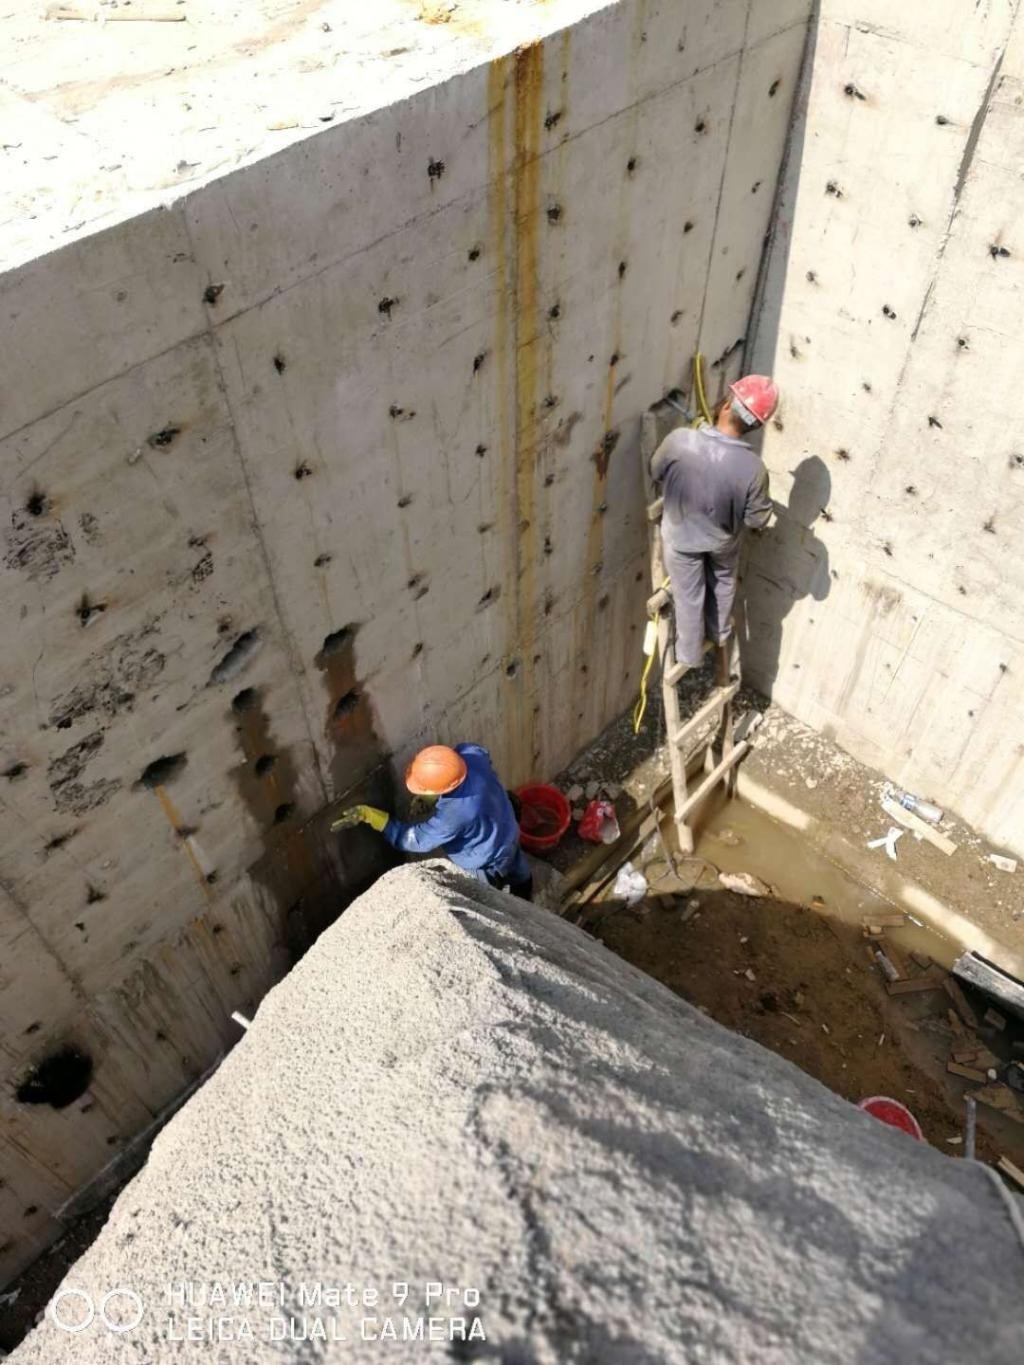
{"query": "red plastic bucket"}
pixel 544 817
pixel 893 1113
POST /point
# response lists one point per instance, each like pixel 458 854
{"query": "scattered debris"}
pixel 969 1073
pixel 879 922
pixel 599 824
pixel 630 885
pixel 1004 864
pixel 914 822
pixel 932 980
pixel 925 809
pixel 994 1018
pixel 728 837
pixel 888 842
pixel 746 725
pixel 1002 1098
pixel 960 1003
pixel 992 980
pixel 744 884
pixel 889 970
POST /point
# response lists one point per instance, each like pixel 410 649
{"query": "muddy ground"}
pixel 814 998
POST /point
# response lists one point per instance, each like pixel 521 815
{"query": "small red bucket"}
pixel 893 1113
pixel 544 817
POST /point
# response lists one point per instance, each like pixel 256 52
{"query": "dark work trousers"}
pixel 522 888
pixel 703 593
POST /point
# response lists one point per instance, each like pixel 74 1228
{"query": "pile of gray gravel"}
pixel 461 1129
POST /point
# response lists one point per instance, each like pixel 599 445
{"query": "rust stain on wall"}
pixel 178 824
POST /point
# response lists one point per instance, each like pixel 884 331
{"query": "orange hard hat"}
pixel 435 771
pixel 758 394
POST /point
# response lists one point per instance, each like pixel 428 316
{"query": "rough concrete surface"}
pixel 328 453
pixel 886 607
pixel 456 1087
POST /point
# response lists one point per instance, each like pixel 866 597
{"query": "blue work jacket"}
pixel 474 824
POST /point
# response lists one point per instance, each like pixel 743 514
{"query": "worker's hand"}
pixel 361 815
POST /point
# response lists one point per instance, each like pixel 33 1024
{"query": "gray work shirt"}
pixel 713 486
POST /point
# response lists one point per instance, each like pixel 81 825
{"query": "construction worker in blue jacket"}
pixel 473 820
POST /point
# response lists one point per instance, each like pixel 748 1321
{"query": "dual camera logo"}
pixel 73 1310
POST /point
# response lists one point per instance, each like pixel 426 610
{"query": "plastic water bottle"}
pixel 924 809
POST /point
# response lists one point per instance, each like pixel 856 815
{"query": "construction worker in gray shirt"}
pixel 713 485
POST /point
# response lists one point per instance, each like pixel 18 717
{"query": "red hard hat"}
pixel 758 394
pixel 435 771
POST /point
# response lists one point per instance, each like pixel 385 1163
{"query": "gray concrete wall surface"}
pixel 886 608
pixel 455 1088
pixel 331 456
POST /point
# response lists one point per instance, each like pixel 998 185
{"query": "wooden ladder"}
pixel 711 725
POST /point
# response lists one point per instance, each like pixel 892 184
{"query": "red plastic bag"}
pixel 599 824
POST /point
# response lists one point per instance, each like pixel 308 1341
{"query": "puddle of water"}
pixel 739 837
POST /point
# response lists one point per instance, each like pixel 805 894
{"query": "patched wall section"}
pixel 334 457
pixel 886 606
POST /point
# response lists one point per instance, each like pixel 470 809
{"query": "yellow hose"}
pixel 650 653
pixel 698 384
pixel 641 705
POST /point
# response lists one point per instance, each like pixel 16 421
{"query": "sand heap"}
pixel 461 1119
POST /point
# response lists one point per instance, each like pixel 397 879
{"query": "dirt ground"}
pixel 814 998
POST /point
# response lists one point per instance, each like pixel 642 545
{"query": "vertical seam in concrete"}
pixel 297 668
pixel 725 169
pixel 801 90
pixel 966 159
pixel 967 156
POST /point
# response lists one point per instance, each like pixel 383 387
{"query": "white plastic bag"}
pixel 630 885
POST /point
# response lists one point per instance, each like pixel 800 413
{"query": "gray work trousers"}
pixel 703 593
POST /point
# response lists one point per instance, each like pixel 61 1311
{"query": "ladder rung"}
pixel 717 702
pixel 657 602
pixel 714 776
pixel 674 673
pixel 655 509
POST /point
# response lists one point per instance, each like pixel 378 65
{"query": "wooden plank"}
pixel 960 1003
pixel 993 979
pixel 885 921
pixel 670 701
pixel 1001 1098
pixel 658 601
pixel 967 1072
pixel 712 779
pixel 928 982
pixel 994 1018
pixel 1006 1167
pixel 716 702
pixel 914 822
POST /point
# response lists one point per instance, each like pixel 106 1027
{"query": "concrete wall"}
pixel 333 457
pixel 887 606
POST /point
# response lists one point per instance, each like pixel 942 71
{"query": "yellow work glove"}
pixel 361 815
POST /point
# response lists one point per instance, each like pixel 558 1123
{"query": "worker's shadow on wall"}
pixel 782 565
